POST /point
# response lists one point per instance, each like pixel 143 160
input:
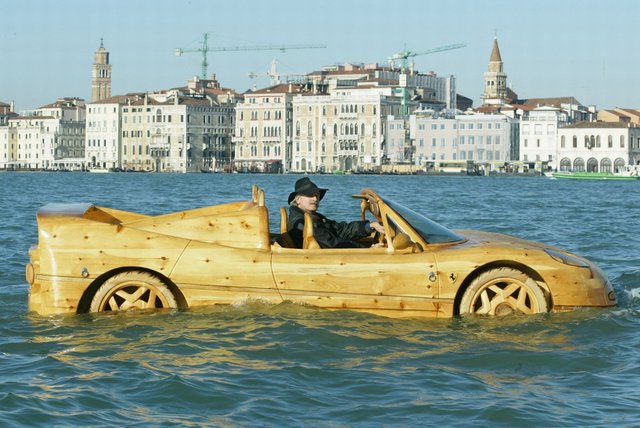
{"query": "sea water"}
pixel 256 364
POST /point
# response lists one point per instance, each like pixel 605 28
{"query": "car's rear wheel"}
pixel 503 291
pixel 132 290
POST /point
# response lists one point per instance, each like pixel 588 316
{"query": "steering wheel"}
pixel 369 204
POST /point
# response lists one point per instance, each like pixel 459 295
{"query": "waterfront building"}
pixel 218 149
pixel 178 130
pixel 419 87
pixel 6 111
pixel 170 132
pixel 6 153
pixel 102 138
pixel 342 130
pixel 100 75
pixel 50 137
pixel 263 131
pixel 622 115
pixel 487 140
pixel 574 110
pixel 539 136
pixel 598 146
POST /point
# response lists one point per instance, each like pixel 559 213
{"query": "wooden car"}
pixel 95 259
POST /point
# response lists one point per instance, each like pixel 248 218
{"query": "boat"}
pixel 625 174
pixel 98 170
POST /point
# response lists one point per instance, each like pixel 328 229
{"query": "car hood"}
pixel 476 237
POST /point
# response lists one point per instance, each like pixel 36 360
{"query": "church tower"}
pixel 495 79
pixel 100 75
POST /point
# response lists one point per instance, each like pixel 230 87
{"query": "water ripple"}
pixel 262 364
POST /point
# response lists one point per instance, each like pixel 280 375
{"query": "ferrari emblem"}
pixel 453 277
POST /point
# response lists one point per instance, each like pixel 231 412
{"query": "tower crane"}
pixel 276 78
pixel 405 54
pixel 404 60
pixel 204 49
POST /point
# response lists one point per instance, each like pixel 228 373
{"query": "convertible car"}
pixel 94 259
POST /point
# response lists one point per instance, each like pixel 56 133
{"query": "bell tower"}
pixel 495 79
pixel 100 75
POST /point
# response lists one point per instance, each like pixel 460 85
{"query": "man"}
pixel 328 233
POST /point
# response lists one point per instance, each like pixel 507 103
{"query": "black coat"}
pixel 328 233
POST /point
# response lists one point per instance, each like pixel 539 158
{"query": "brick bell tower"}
pixel 100 75
pixel 495 79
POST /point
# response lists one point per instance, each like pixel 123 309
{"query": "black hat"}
pixel 306 187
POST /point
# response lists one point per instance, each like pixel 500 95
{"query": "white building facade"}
pixel 539 135
pixel 50 138
pixel 482 138
pixel 342 130
pixel 102 137
pixel 598 146
pixel 262 139
pixel 161 132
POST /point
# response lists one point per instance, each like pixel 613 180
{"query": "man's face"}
pixel 308 203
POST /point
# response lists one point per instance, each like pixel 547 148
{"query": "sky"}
pixel 550 48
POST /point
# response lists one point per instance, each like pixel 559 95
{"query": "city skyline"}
pixel 570 49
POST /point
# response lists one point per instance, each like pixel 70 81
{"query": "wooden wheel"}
pixel 132 290
pixel 503 291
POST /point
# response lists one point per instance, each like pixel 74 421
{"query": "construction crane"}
pixel 404 58
pixel 405 54
pixel 276 78
pixel 204 49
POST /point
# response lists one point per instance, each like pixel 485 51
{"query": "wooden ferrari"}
pixel 95 259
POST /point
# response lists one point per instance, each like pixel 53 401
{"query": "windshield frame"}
pixel 430 231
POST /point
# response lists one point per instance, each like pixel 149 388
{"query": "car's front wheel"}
pixel 132 290
pixel 503 291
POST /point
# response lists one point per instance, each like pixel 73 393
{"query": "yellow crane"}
pixel 204 49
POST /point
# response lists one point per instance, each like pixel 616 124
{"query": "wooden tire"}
pixel 132 290
pixel 503 291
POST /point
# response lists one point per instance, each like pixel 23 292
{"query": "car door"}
pixel 377 280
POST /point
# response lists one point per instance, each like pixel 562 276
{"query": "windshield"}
pixel 429 230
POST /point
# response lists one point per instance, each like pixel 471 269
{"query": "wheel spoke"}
pixel 486 303
pixel 131 299
pixel 113 305
pixel 151 301
pixel 521 303
pixel 511 288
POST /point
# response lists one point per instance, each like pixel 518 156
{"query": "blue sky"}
pixel 585 49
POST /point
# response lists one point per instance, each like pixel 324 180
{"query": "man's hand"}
pixel 377 227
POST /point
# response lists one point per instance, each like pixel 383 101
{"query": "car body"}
pixel 93 259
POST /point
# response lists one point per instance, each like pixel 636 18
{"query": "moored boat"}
pixel 582 175
pixel 98 170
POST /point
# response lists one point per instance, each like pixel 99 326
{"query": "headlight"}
pixel 565 258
